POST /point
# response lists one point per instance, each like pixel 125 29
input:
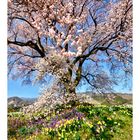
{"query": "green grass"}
pixel 117 100
pixel 83 122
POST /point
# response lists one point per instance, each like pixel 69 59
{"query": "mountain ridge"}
pixel 93 98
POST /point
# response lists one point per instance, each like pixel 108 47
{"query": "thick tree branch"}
pixel 30 44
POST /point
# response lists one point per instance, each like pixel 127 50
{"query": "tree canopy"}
pixel 70 41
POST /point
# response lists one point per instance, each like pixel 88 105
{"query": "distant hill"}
pixel 97 99
pixel 29 99
pixel 107 98
pixel 19 102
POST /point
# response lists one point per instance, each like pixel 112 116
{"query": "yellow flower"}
pixel 109 118
pixel 101 127
pixel 99 122
pixel 46 129
pixel 89 124
pixel 98 130
pixel 103 122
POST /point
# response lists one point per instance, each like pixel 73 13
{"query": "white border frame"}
pixel 3 69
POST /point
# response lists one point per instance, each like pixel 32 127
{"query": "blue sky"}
pixel 16 89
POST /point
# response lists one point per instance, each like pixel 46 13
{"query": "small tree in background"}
pixel 69 42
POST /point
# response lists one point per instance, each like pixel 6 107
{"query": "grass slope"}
pixel 82 122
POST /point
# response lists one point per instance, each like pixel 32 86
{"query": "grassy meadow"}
pixel 79 122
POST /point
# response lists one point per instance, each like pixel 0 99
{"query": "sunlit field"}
pixel 81 122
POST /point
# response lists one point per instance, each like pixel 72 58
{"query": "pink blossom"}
pixel 51 33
